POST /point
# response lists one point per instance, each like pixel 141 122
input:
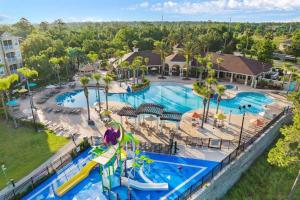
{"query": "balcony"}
pixel 8 47
pixel 11 59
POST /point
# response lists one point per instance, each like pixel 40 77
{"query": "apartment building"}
pixel 10 54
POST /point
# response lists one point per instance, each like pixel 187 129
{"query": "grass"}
pixel 264 181
pixel 22 150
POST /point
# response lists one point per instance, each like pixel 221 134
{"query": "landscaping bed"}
pixel 140 86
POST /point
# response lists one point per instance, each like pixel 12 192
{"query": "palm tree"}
pixel 5 84
pixel 84 82
pixel 143 68
pixel 202 61
pixel 188 51
pixel 29 73
pixel 162 48
pixel 287 68
pixel 135 65
pixel 225 37
pixel 124 66
pixel 220 90
pixel 204 93
pixel 97 78
pixel 56 67
pixel 219 61
pixel 209 82
pixel 107 80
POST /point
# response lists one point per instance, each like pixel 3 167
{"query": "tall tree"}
pixel 107 80
pixel 97 78
pixel 188 51
pixel 5 85
pixel 84 82
pixel 29 73
pixel 163 49
pixel 56 67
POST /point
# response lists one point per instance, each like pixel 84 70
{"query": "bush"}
pixel 144 84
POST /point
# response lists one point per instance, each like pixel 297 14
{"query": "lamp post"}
pixel 243 109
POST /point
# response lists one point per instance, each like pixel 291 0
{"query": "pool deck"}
pixel 230 131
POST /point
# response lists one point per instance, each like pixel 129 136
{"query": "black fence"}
pixel 226 161
pixel 31 183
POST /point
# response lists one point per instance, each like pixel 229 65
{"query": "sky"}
pixel 150 10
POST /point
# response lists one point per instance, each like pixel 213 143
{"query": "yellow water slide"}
pixel 85 171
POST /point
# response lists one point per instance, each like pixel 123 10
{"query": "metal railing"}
pixel 35 180
pixel 32 182
pixel 227 160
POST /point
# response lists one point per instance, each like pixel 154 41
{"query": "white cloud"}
pixel 144 5
pixel 206 6
pixel 83 19
pixel 4 17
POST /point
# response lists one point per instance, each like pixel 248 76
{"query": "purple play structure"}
pixel 111 135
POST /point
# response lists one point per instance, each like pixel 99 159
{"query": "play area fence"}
pixel 35 180
pixel 230 158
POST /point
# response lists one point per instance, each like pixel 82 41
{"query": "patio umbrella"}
pixel 257 122
pixel 220 116
pixel 32 85
pixel 22 91
pixel 12 103
pixel 50 87
pixel 196 115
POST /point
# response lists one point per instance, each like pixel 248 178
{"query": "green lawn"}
pixel 22 150
pixel 263 182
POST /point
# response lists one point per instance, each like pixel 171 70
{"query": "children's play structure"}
pixel 117 163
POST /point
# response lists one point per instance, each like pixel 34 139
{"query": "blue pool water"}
pixel 229 87
pixel 164 169
pixel 174 97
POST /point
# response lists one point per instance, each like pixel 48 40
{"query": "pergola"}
pixel 127 111
pixel 150 109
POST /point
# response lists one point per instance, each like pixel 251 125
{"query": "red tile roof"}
pixel 154 58
pixel 239 64
pixel 175 57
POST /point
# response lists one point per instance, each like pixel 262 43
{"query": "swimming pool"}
pixel 164 169
pixel 229 87
pixel 174 97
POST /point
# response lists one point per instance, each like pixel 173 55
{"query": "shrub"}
pixel 144 84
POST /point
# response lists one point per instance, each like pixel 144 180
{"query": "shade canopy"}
pixel 152 110
pixel 171 116
pixel 149 108
pixel 127 111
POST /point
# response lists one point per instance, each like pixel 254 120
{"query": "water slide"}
pixel 143 186
pixel 103 159
pixel 85 171
pixel 143 176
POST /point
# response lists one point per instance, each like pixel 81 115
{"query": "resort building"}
pixel 233 68
pixel 10 54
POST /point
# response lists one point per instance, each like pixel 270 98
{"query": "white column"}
pixel 252 81
pixel 231 78
pixel 218 75
pixel 246 80
pixel 170 71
